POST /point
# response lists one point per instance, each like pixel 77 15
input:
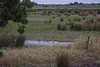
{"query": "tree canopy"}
pixel 27 3
pixel 12 10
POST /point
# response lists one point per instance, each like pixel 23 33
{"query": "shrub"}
pixel 20 41
pixel 61 27
pixel 50 21
pixel 21 29
pixel 53 17
pixel 78 27
pixel 11 40
pixel 1 54
pixel 90 25
pixel 72 25
pixel 83 13
pixel 98 12
pixel 62 60
pixel 45 5
pixel 7 40
pixel 98 20
pixel 77 19
pixel 94 14
pixel 45 22
pixel 58 15
pixel 84 18
pixel 61 19
pixel 69 19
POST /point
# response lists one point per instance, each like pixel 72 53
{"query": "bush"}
pixel 21 29
pixel 53 17
pixel 50 21
pixel 61 27
pixel 78 27
pixel 90 25
pixel 61 19
pixel 58 15
pixel 62 60
pixel 84 18
pixel 20 41
pixel 11 40
pixel 1 54
pixel 45 22
pixel 77 19
pixel 83 14
pixel 94 14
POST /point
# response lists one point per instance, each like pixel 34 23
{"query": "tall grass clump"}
pixel 61 27
pixel 89 25
pixel 78 19
pixel 62 60
pixel 83 14
pixel 58 15
pixel 93 46
pixel 92 25
pixel 11 40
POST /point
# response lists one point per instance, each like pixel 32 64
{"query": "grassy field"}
pixel 39 27
pixel 42 25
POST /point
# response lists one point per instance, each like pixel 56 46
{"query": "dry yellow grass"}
pixel 45 56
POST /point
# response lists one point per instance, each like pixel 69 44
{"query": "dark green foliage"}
pixel 62 60
pixel 21 29
pixel 27 3
pixel 1 54
pixel 20 41
pixel 11 40
pixel 12 10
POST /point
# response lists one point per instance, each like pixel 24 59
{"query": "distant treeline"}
pixel 75 3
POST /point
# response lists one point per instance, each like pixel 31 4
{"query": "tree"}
pixel 12 10
pixel 27 3
pixel 75 3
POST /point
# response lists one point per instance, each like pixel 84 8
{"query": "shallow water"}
pixel 32 42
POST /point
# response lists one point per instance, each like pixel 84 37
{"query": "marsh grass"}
pixel 46 56
pixel 93 46
pixel 63 60
pixel 38 29
pixel 11 40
